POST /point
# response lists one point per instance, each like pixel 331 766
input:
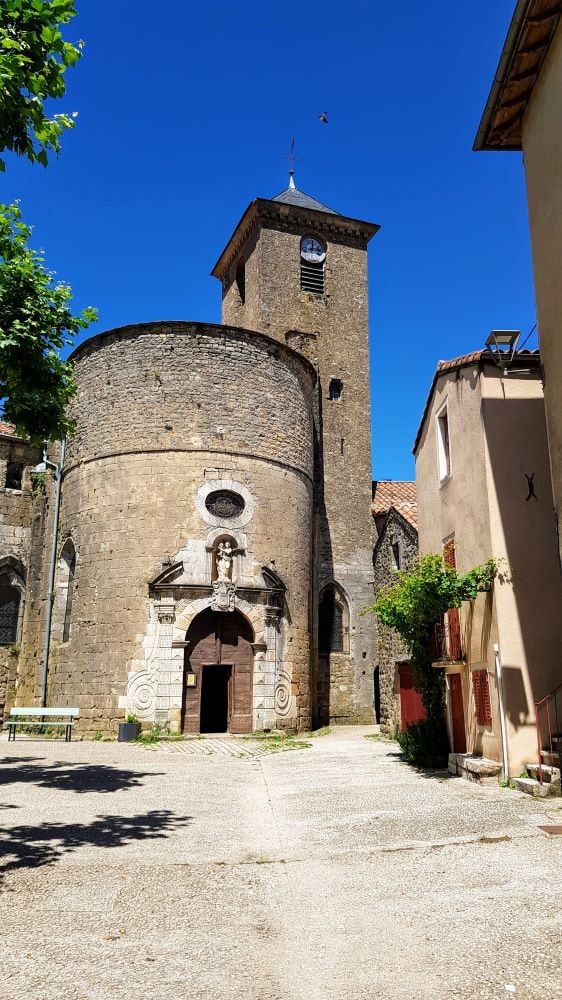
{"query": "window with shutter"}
pixel 481 688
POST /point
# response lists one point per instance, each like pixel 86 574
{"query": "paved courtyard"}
pixel 321 873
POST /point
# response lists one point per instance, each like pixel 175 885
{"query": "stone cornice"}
pixel 263 213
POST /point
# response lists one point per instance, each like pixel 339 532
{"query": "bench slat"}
pixel 42 725
pixel 45 712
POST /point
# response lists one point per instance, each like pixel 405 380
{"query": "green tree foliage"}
pixel 34 58
pixel 35 323
pixel 35 317
pixel 413 606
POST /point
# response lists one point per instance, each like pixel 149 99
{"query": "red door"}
pixel 411 704
pixel 457 713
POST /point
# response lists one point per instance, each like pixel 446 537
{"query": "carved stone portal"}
pixel 224 595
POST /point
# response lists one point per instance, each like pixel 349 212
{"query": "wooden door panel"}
pixel 411 705
pixel 457 713
pixel 222 639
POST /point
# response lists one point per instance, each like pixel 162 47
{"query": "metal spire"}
pixel 292 158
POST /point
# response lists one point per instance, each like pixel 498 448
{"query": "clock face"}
pixel 312 249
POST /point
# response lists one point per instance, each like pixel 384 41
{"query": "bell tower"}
pixel 296 270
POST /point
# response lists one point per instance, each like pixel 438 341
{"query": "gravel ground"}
pixel 311 875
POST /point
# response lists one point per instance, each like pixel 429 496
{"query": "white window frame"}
pixel 444 454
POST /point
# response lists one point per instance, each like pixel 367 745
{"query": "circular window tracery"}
pixel 224 503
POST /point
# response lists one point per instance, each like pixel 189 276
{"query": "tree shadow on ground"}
pixel 27 846
pixel 68 776
pixel 431 771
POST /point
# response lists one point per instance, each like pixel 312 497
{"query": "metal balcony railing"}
pixel 548 713
pixel 446 642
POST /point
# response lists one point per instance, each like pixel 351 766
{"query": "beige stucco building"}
pixel 214 548
pixel 524 112
pixel 484 490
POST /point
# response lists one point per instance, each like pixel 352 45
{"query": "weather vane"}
pixel 291 158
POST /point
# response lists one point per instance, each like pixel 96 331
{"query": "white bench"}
pixel 60 717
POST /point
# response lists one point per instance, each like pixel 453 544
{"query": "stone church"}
pixel 199 552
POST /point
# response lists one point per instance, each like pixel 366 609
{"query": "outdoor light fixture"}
pixel 503 345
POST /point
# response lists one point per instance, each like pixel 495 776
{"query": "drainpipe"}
pixel 57 469
pixel 503 723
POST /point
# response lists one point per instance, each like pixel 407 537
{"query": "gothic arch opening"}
pixel 333 640
pixel 333 621
pixel 218 674
pixel 64 591
pixel 12 595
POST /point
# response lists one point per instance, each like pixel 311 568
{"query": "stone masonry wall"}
pixel 17 509
pixel 389 646
pixel 161 410
pixel 332 329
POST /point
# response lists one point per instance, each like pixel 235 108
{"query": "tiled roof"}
pixel 7 428
pixel 484 356
pixel 402 496
pixel 292 196
pixel 460 362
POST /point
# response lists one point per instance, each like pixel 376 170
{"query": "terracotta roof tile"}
pixel 464 359
pixel 484 356
pixel 402 496
pixel 7 428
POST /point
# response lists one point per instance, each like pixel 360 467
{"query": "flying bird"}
pixel 324 117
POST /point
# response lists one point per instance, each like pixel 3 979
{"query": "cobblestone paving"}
pixel 214 747
pixel 331 872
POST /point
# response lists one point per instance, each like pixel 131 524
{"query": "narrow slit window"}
pixel 69 595
pixel 443 444
pixel 241 279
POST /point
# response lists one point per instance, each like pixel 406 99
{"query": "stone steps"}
pixel 532 786
pixel 474 768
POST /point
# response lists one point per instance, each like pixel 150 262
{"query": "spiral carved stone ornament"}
pixel 283 697
pixel 141 695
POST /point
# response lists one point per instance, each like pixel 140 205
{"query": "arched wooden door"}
pixel 218 674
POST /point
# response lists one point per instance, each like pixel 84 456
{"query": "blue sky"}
pixel 186 112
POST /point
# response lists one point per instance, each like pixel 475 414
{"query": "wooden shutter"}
pixel 481 689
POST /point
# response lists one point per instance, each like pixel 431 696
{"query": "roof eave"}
pixel 533 360
pixel 488 136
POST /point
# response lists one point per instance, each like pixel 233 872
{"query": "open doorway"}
pixel 216 698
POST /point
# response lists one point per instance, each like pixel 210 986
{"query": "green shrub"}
pixel 424 743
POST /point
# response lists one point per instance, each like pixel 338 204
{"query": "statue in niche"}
pixel 224 590
pixel 225 554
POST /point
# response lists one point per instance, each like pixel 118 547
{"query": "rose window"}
pixel 223 503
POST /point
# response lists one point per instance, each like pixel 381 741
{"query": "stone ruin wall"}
pixel 390 648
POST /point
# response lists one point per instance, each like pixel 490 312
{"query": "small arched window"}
pixel 335 390
pixel 14 476
pixel 333 622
